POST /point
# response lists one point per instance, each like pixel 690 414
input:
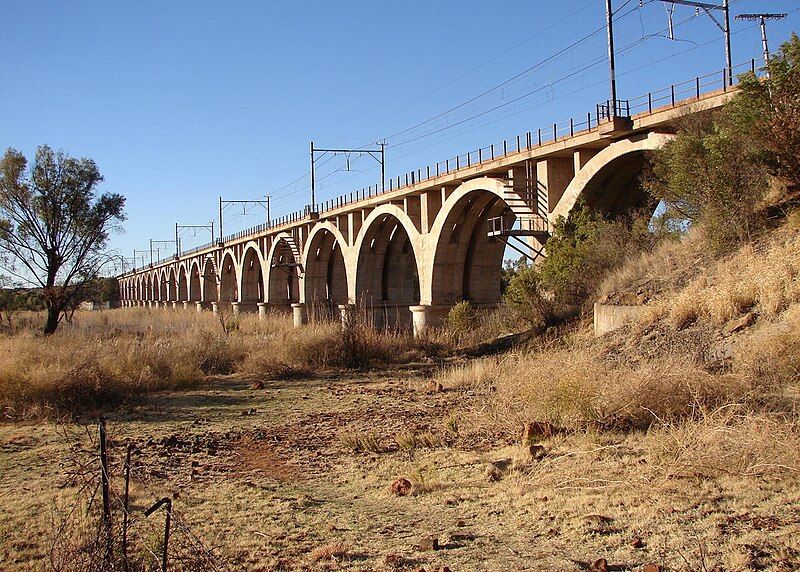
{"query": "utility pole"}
pixel 762 18
pixel 725 26
pixel 313 181
pixel 612 70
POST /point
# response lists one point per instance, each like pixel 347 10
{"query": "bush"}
pixel 461 318
pixel 525 297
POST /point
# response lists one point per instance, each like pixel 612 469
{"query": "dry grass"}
pixel 102 358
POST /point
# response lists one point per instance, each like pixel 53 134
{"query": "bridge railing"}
pixel 671 95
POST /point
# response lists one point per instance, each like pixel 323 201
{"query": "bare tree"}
pixel 54 225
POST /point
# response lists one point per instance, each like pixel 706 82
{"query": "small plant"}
pixel 461 318
pixel 360 441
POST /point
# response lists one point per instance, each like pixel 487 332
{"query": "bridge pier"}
pixel 426 316
pixel 186 305
pixel 299 314
pixel 348 314
pixel 198 306
pixel 215 307
pixel 174 305
pixel 262 310
pixel 235 308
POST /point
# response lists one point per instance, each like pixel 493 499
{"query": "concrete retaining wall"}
pixel 609 317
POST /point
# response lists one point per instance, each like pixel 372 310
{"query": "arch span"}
pixel 608 181
pixel 387 270
pixel 325 280
pixel 466 262
pixel 183 284
pixel 195 283
pixel 251 278
pixel 210 281
pixel 228 283
pixel 283 273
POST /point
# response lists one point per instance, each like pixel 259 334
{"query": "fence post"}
pixel 127 468
pixel 168 502
pixel 104 480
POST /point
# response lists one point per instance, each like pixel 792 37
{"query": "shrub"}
pixel 461 318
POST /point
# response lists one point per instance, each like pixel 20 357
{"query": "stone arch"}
pixel 251 276
pixel 283 275
pixel 228 270
pixel 195 282
pixel 325 262
pixel 172 282
pixel 210 284
pixel 387 277
pixel 183 284
pixel 161 280
pixel 466 262
pixel 149 292
pixel 608 181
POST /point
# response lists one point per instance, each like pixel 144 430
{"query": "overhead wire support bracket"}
pixel 244 203
pixel 725 26
pixel 378 154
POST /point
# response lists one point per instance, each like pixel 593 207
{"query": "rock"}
pixel 461 523
pixel 258 385
pixel 401 487
pixel 433 386
pixel 637 542
pixel 536 430
pixel 428 543
pixel 738 324
pixel 652 568
pixel 599 565
pixel 441 569
pixel 537 452
pixel 496 469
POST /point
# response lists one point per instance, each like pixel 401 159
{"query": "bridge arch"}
pixel 210 280
pixel 466 263
pixel 228 282
pixel 283 272
pixel 172 282
pixel 162 284
pixel 251 275
pixel 325 261
pixel 183 283
pixel 388 250
pixel 609 180
pixel 195 282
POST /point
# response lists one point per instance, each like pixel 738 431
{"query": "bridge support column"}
pixel 425 317
pixel 215 307
pixel 198 306
pixel 348 313
pixel 174 305
pixel 185 305
pixel 299 314
pixel 235 308
pixel 262 310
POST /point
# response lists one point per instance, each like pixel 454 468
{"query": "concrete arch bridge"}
pixel 410 253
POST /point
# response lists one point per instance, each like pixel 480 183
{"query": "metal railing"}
pixel 671 96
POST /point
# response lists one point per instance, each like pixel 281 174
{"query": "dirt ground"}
pixel 297 475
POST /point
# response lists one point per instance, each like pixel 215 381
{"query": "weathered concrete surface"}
pixel 609 317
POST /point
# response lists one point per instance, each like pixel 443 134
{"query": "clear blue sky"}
pixel 180 102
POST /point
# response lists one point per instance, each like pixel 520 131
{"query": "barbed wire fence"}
pixel 118 519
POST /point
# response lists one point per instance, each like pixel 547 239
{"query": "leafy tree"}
pixel 717 170
pixel 54 225
pixel 767 112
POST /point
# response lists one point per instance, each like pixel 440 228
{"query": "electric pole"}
pixel 762 18
pixel 611 66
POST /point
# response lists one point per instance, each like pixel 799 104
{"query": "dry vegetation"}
pixel 673 441
pixel 102 358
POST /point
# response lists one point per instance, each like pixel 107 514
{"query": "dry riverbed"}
pixel 298 474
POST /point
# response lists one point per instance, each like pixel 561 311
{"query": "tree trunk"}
pixel 52 320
